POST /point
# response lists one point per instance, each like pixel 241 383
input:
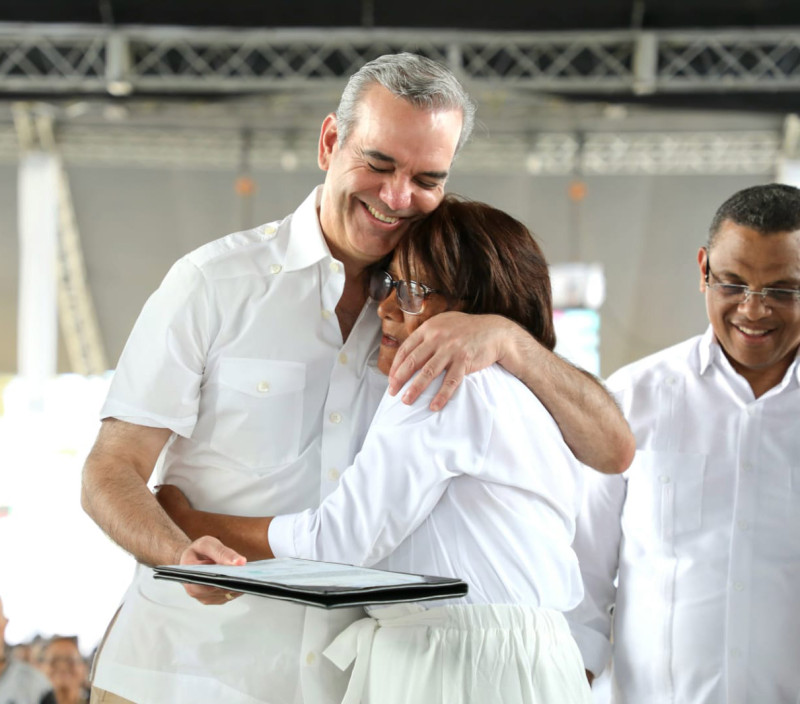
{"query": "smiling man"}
pixel 703 532
pixel 246 382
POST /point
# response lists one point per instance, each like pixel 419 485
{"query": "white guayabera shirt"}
pixel 704 532
pixel 239 353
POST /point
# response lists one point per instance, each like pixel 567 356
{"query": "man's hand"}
pixel 210 551
pixel 590 421
pixel 457 342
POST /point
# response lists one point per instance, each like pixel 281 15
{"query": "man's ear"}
pixel 328 141
pixel 702 262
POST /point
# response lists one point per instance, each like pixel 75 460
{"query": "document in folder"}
pixel 325 584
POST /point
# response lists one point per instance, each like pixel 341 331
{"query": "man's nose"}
pixel 396 193
pixel 755 305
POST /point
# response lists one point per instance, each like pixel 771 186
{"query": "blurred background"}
pixel 132 132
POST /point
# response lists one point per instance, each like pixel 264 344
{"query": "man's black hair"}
pixel 769 208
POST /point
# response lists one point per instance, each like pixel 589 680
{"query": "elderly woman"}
pixel 469 491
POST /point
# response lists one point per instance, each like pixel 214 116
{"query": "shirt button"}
pixel 669 381
pixel 342 358
pixel 336 417
pixel 751 410
pixel 270 230
pixel 743 524
pixel 738 586
pixel 333 474
pixel 326 314
pixel 310 658
pixel 263 386
pixel 747 467
pixel 275 268
pixel 735 652
pixel 334 267
pixel 664 479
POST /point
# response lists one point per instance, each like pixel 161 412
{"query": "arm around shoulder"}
pixel 590 421
pixel 587 415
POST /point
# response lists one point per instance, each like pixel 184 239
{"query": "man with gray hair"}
pixel 246 382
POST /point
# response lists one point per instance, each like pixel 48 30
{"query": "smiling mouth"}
pixel 751 332
pixel 380 216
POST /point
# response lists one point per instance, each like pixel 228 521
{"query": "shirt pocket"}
pixel 259 411
pixel 665 493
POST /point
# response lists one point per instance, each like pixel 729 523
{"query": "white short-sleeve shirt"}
pixel 240 354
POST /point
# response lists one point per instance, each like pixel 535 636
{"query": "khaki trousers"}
pixel 100 696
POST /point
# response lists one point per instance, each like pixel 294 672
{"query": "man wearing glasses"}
pixel 703 533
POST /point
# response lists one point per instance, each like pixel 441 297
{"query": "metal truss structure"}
pixel 88 59
pixel 292 78
pixel 76 311
pixel 545 154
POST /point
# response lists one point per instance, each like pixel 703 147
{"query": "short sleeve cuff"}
pixel 113 408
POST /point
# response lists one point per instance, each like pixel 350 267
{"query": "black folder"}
pixel 328 585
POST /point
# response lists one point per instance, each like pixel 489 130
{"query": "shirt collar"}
pixel 307 244
pixel 710 352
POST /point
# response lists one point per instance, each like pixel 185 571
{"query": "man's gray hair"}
pixel 424 83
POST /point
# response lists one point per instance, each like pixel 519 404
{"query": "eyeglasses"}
pixel 411 295
pixel 739 293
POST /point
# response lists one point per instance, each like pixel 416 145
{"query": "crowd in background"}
pixel 42 671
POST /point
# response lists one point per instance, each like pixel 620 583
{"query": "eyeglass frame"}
pixel 395 284
pixel 746 291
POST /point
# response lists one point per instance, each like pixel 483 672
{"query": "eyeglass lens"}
pixel 410 295
pixel 773 297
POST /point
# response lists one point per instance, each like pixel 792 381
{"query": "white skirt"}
pixel 471 654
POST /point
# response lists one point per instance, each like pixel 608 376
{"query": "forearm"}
pixel 247 535
pixel 129 514
pixel 590 421
pixel 114 492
